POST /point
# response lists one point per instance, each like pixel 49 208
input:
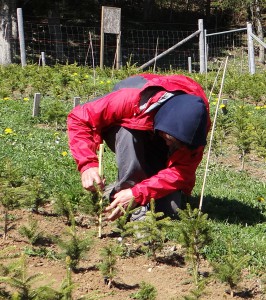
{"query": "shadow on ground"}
pixel 232 211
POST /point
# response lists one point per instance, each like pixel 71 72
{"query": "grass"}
pixel 38 147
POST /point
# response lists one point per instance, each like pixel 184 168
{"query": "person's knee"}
pixel 170 204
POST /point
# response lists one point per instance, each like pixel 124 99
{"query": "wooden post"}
pixel 43 58
pixel 21 37
pixel 251 56
pixel 201 46
pixel 76 101
pixel 36 104
pixel 189 65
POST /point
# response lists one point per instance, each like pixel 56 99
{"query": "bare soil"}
pixel 170 275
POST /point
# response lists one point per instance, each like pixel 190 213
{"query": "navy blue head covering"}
pixel 185 118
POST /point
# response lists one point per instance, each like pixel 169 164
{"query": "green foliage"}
pixel 121 223
pixel 146 292
pixel 229 269
pixel 31 232
pixel 55 113
pixel 64 207
pixel 37 196
pixel 259 135
pixel 108 268
pixel 25 286
pixel 67 285
pixel 197 292
pixel 194 233
pixel 242 131
pixel 73 246
pixel 150 232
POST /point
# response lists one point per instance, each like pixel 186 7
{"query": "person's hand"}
pixel 121 199
pixel 90 177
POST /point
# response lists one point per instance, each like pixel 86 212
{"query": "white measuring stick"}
pixel 100 159
pixel 211 137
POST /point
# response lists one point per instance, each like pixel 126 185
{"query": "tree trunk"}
pixel 148 7
pixel 207 10
pixel 7 30
pixel 55 31
pixel 259 29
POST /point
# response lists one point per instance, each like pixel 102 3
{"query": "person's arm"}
pixel 179 175
pixel 85 125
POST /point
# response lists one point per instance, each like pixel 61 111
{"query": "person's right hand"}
pixel 90 177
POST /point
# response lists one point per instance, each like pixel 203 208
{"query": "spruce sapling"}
pixel 230 267
pixel 31 232
pixel 146 292
pixel 67 285
pixel 17 278
pixel 151 232
pixel 194 234
pixel 108 268
pixel 73 246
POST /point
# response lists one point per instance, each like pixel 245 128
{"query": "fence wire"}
pixel 73 44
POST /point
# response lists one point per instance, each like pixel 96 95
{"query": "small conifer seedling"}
pixel 73 246
pixel 108 265
pixel 150 232
pixel 194 234
pixel 229 269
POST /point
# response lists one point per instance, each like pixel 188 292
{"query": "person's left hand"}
pixel 121 199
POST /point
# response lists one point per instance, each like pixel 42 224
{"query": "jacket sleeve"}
pixel 179 175
pixel 86 122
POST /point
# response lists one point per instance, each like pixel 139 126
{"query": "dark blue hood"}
pixel 185 118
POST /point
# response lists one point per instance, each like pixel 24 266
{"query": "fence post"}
pixel 76 101
pixel 205 51
pixel 36 104
pixel 251 58
pixel 189 65
pixel 43 58
pixel 201 46
pixel 21 37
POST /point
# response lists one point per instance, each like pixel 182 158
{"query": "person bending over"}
pixel 157 127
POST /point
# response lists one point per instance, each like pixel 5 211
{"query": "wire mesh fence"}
pixel 81 45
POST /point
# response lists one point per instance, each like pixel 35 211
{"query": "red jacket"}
pixel 122 107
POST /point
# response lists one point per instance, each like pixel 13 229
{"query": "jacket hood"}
pixel 185 118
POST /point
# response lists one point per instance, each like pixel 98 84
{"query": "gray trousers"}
pixel 140 155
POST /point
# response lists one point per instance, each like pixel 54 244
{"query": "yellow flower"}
pixel 101 82
pixel 75 74
pixel 26 99
pixel 214 102
pixel 260 199
pixel 108 81
pixel 258 107
pixel 8 131
pixel 6 98
pixel 222 106
pixel 86 76
pixel 64 153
